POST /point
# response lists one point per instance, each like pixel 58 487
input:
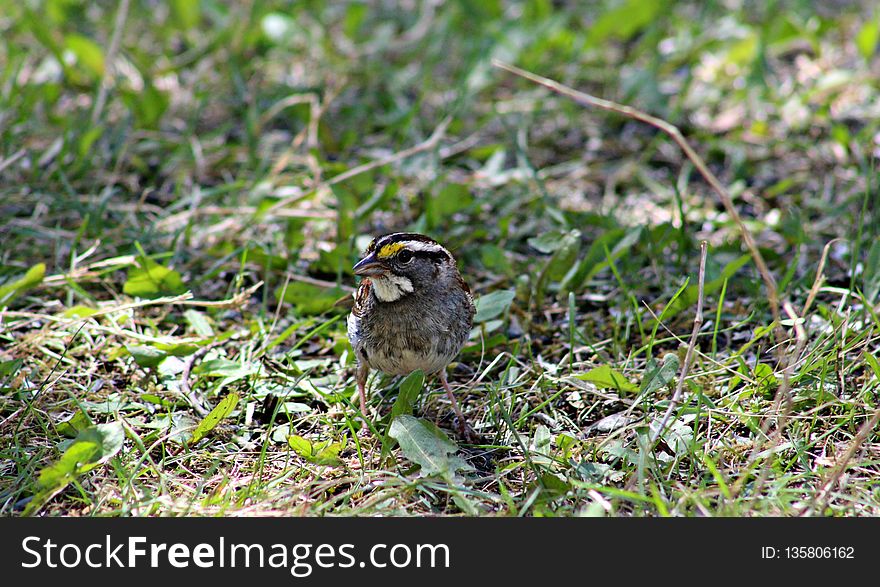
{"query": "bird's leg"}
pixel 463 426
pixel 362 372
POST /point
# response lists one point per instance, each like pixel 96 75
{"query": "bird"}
pixel 412 310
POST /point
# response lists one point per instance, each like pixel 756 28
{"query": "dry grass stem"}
pixel 689 355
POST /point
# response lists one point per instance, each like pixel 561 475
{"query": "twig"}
pixel 4 163
pixel 310 98
pixel 185 388
pixel 278 308
pixel 460 147
pixel 801 337
pixel 11 417
pixel 235 301
pixel 820 276
pixel 89 271
pixel 675 134
pixel 118 25
pixel 319 282
pixel 688 357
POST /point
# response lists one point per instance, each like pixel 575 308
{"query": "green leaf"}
pixel 41 28
pixel 74 425
pixel 186 13
pixel 407 397
pixel 10 367
pixel 548 242
pixel 88 53
pixel 617 240
pixel 658 376
pixel 765 377
pixel 541 445
pixel 220 411
pixel 867 38
pixel 409 393
pixel 325 452
pixel 743 51
pixel 148 279
pixel 93 446
pixel 678 436
pixel 564 257
pixel 427 446
pixel 148 105
pixel 300 445
pixel 182 426
pixel 199 323
pixel 605 377
pixel 225 368
pixel 873 363
pixel 156 400
pixel 552 486
pixel 493 304
pixel 75 460
pixel 494 258
pixel 147 357
pixel 743 369
pixel 623 21
pixel 565 442
pixel 307 298
pixel 592 472
pixel 621 246
pixel 355 13
pixel 79 312
pixel 32 278
pixel 177 349
pixel 451 198
pixel 87 139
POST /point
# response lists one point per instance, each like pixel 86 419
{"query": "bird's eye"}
pixel 405 256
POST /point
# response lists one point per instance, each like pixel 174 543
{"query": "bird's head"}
pixel 403 263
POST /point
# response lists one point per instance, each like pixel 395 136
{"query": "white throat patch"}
pixel 391 288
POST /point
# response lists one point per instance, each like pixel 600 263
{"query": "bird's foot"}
pixel 364 431
pixel 467 432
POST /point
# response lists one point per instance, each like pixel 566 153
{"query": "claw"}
pixel 469 434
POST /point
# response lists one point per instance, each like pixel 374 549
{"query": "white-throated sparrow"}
pixel 412 310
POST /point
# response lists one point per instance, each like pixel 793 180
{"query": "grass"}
pixel 181 210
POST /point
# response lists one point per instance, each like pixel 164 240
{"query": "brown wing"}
pixel 361 297
pixel 467 290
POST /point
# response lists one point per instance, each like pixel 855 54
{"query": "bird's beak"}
pixel 369 266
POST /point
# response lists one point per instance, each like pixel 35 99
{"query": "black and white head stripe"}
pixel 390 245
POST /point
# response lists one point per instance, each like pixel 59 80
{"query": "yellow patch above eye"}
pixel 389 250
